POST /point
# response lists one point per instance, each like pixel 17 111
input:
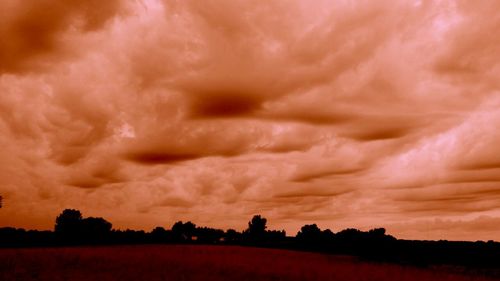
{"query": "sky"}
pixel 341 113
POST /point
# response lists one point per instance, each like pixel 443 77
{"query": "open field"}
pixel 168 262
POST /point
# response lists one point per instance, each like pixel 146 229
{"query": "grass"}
pixel 179 263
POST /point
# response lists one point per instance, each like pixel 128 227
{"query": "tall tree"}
pixel 95 229
pixel 69 224
pixel 256 231
pixel 183 231
pixel 1 201
pixel 257 226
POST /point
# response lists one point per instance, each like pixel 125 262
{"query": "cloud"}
pixel 186 141
pixel 470 56
pixel 347 114
pixel 450 199
pixel 175 202
pixel 452 229
pixel 222 104
pixel 95 172
pixel 311 191
pixel 36 30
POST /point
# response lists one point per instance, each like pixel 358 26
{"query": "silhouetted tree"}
pixel 257 226
pixel 275 236
pixel 328 234
pixel 377 232
pixel 69 225
pixel 73 228
pixel 256 231
pixel 159 235
pixel 1 201
pixel 311 236
pixel 10 236
pixel 207 235
pixel 95 229
pixel 183 232
pixel 159 231
pixel 309 233
pixel 232 236
pixel 349 235
pixel 129 236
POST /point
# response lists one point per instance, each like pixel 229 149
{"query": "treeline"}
pixel 71 228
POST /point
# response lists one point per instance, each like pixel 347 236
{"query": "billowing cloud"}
pixel 33 32
pixel 363 114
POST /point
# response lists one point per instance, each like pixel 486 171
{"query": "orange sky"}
pixel 365 114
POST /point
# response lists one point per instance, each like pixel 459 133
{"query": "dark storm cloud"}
pixel 32 30
pixel 307 177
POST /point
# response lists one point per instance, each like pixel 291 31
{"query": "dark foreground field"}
pixel 199 263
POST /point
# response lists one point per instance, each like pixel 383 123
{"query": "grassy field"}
pixel 154 262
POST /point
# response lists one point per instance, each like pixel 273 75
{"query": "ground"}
pixel 182 263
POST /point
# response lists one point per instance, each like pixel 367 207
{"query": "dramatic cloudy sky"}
pixel 341 113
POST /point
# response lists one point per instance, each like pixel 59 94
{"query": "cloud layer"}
pixel 348 115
